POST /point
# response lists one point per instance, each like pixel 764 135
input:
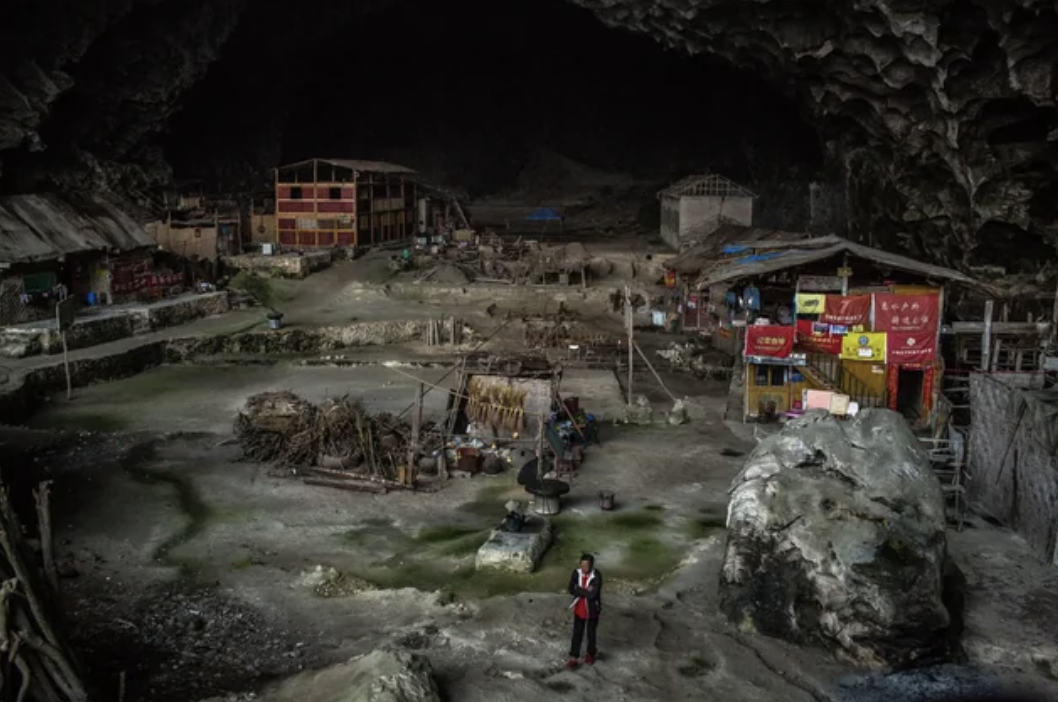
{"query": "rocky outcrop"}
pixel 941 116
pixel 384 675
pixel 939 119
pixel 837 538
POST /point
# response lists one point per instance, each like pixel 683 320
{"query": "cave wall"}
pixel 940 116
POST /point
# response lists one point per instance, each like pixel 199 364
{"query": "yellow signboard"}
pixel 809 303
pixel 863 346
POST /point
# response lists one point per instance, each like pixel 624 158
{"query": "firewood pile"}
pixel 37 666
pixel 337 443
pixel 562 334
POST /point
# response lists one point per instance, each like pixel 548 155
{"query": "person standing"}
pixel 585 584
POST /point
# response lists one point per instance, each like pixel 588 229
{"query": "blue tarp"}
pixel 544 214
pixel 759 257
pixel 734 249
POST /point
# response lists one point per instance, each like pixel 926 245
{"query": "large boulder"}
pixel 384 675
pixel 836 536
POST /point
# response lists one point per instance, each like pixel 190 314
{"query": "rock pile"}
pixel 836 537
pixel 384 675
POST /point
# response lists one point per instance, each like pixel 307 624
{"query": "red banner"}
pixel 770 341
pixel 906 348
pixel 815 336
pixel 847 311
pixel 917 314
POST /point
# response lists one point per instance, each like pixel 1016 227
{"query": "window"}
pixel 295 193
pixel 770 376
pixel 335 193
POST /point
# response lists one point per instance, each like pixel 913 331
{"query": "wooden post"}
pixel 66 367
pixel 42 497
pixel 542 420
pixel 631 342
pixel 1054 334
pixel 656 376
pixel 414 447
pixel 986 337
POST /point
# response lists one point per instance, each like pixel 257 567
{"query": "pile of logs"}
pixel 338 443
pixel 561 334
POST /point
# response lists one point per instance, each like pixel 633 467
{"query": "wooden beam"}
pixel 629 320
pixel 986 336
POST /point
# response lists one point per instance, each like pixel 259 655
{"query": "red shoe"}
pixel 572 663
pixel 589 660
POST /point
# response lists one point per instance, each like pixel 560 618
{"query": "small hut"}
pixel 564 265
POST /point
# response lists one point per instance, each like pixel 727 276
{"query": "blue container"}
pixel 91 299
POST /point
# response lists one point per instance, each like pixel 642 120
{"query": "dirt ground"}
pixel 195 574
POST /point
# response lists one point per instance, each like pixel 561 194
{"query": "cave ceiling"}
pixel 939 118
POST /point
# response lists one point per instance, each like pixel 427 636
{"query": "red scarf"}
pixel 581 608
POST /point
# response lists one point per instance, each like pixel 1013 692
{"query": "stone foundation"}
pixel 104 325
pixel 300 340
pixel 516 552
pixel 288 265
pixel 19 402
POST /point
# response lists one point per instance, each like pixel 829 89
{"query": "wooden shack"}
pixel 832 315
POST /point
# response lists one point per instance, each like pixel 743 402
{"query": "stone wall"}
pixel 1012 457
pixel 295 341
pixel 19 402
pixel 283 265
pixel 183 310
pixel 108 326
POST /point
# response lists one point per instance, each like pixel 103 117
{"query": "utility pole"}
pixel 631 341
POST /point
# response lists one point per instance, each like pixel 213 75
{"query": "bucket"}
pixel 606 500
pixel 469 460
pixel 92 300
pixel 275 323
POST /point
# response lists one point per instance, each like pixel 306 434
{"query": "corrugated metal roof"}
pixel 709 185
pixel 45 227
pixel 353 164
pixel 726 237
pixel 779 256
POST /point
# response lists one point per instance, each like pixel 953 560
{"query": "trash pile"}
pixel 698 360
pixel 337 443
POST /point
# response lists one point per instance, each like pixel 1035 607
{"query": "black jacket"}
pixel 594 597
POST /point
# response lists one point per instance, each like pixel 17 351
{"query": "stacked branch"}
pixel 35 664
pixel 339 440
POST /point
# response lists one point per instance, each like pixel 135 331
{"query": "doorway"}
pixel 910 384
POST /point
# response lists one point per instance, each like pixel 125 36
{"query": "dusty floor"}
pixel 195 562
pixel 185 569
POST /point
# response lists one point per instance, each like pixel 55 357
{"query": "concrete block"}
pixel 516 552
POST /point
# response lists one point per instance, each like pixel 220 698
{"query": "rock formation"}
pixel 940 119
pixel 384 675
pixel 836 538
pixel 942 115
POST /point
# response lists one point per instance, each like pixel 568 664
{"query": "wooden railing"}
pixel 841 378
pixel 859 392
pixel 827 366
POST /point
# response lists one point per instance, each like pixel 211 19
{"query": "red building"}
pixel 341 202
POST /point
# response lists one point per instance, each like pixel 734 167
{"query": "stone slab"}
pixel 516 552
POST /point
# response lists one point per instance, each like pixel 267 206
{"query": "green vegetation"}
pixel 634 547
pixel 70 419
pixel 264 291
